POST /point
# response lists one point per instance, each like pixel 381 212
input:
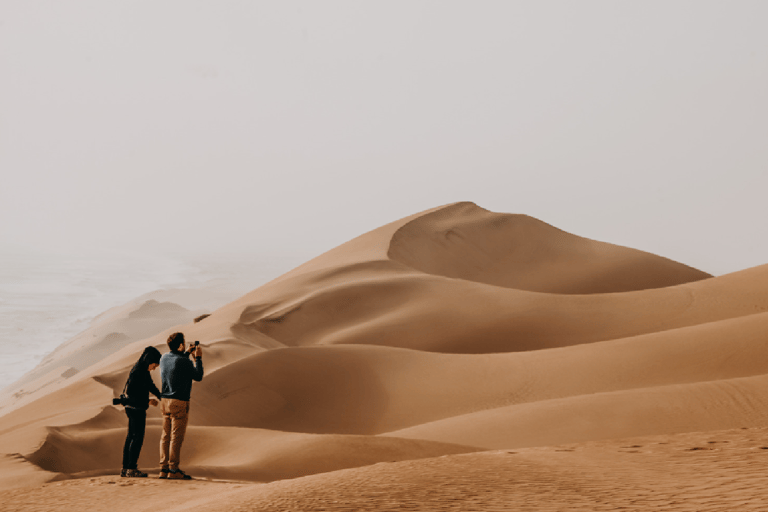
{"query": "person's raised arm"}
pixel 197 373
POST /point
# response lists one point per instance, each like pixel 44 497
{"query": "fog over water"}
pixel 47 299
pixel 278 130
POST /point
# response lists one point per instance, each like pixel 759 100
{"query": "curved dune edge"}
pixel 696 407
pixel 401 308
pixel 371 390
pixel 311 304
pixel 464 241
pixel 218 452
pixel 87 441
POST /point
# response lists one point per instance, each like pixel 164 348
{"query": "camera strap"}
pixel 130 374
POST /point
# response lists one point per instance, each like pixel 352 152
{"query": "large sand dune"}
pixel 517 251
pixel 450 331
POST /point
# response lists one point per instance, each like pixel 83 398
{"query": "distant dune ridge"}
pixel 451 331
pixel 108 333
pixel 466 242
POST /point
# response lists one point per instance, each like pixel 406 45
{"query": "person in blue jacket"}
pixel 177 373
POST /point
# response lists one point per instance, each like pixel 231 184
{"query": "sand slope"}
pixel 447 332
pixel 403 309
pixel 218 452
pixel 517 251
pixel 713 471
pixel 721 470
pixel 671 409
pixel 370 390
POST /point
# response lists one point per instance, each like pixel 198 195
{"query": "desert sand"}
pixel 457 359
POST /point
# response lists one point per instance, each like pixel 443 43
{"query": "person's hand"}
pixel 199 352
pixel 153 402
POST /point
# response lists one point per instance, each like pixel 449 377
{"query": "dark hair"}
pixel 150 356
pixel 175 340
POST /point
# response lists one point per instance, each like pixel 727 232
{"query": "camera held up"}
pixel 192 348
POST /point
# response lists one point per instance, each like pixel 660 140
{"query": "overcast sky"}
pixel 283 128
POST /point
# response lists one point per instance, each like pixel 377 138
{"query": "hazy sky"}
pixel 290 127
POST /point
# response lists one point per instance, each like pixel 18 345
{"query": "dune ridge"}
pixel 467 242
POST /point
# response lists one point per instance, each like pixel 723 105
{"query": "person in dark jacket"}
pixel 137 391
pixel 177 373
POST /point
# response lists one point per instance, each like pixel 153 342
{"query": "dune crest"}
pixel 380 288
pixel 464 241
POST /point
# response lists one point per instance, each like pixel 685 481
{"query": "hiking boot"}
pixel 164 473
pixel 135 473
pixel 177 474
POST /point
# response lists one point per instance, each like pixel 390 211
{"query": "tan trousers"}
pixel 175 415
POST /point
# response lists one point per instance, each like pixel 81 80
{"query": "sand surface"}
pixel 457 359
pixel 702 471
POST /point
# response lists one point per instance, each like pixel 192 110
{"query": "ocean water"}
pixel 47 299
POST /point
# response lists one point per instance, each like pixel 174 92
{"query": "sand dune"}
pixel 218 452
pixel 380 288
pixel 679 408
pixel 503 248
pixel 449 331
pixel 710 471
pixel 517 251
pixel 409 310
pixel 370 390
pixel 117 328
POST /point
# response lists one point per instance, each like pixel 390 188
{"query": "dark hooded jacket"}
pixel 140 383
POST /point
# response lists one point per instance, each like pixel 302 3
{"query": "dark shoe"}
pixel 164 473
pixel 135 473
pixel 123 472
pixel 177 474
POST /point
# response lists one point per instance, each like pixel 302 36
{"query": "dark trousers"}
pixel 137 422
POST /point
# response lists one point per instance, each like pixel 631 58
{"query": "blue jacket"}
pixel 177 373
